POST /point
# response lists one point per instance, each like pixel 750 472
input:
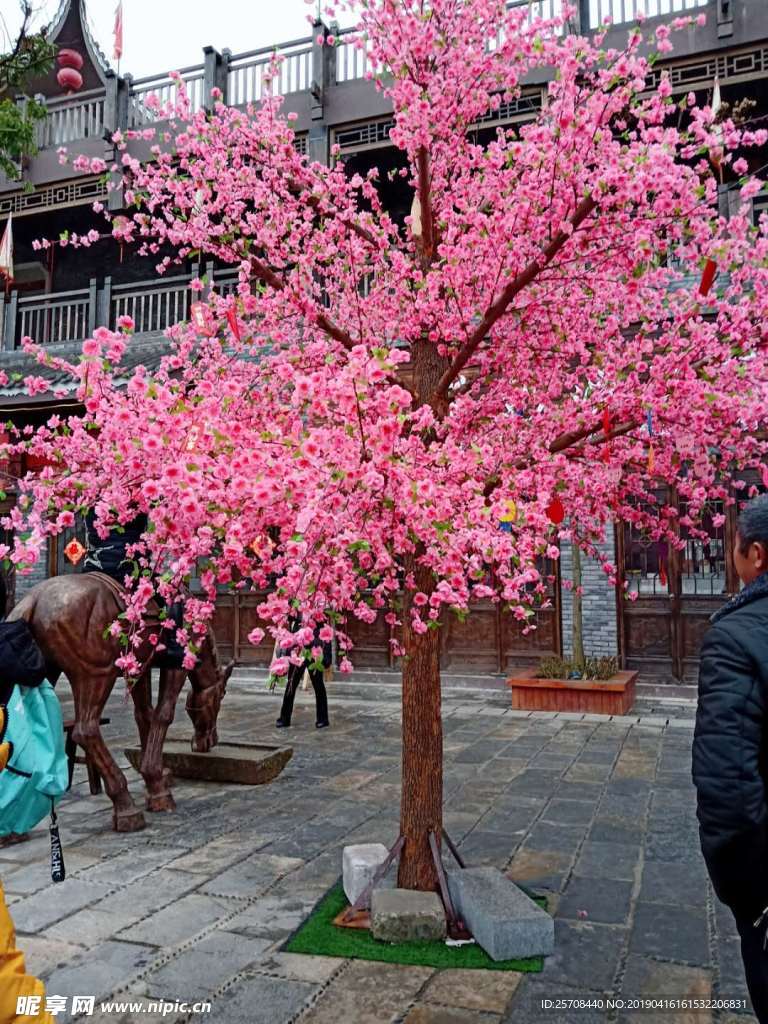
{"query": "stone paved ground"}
pixel 597 813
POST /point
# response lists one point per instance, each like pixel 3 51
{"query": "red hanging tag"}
pixel 232 321
pixel 556 511
pixel 200 319
pixel 606 452
pixel 607 423
pixel 662 573
pixel 651 459
pixel 708 277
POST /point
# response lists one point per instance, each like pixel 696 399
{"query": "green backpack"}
pixel 37 773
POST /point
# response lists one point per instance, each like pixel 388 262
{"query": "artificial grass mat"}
pixel 319 936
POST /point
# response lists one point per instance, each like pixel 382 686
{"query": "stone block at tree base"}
pixel 402 915
pixel 503 920
pixel 360 863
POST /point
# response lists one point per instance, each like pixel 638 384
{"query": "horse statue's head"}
pixel 209 684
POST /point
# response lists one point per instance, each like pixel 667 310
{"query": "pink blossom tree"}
pixel 349 428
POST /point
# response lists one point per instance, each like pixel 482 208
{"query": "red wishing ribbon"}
pixel 232 321
pixel 708 277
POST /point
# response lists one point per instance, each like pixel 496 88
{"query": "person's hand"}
pixel 761 924
pixel 5 748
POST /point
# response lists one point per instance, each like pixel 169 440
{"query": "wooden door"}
pixel 672 593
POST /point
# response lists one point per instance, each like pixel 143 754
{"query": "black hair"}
pixel 752 524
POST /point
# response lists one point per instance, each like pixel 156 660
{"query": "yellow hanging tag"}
pixel 511 514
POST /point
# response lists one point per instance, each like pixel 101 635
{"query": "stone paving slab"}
pixel 199 971
pixel 598 814
pixel 260 999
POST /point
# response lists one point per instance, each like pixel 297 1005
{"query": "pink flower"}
pixel 91 347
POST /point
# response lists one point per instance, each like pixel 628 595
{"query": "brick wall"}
pixel 39 573
pixel 598 602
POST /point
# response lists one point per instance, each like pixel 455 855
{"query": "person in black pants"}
pixel 730 750
pixel 316 676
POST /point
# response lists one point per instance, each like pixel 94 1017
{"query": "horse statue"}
pixel 69 617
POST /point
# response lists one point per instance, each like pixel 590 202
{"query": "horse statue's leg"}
pixel 90 694
pixel 141 692
pixel 159 796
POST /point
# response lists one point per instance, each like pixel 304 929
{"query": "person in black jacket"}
pixel 316 677
pixel 110 556
pixel 730 750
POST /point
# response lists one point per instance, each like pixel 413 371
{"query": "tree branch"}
pixel 425 202
pixel 316 202
pixel 268 276
pixel 500 306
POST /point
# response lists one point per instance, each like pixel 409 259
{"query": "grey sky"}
pixel 164 35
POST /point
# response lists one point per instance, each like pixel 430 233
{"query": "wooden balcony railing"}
pixel 72 118
pixel 306 67
pixel 71 316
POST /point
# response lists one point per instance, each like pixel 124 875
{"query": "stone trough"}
pixel 251 764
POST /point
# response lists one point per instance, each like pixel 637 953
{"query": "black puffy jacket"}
pixel 730 750
pixel 109 555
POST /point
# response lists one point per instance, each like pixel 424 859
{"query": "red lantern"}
pixel 69 79
pixel 69 59
pixel 556 511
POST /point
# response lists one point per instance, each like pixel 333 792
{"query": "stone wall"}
pixel 598 602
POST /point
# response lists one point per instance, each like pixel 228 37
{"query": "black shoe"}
pixel 282 724
pixel 322 725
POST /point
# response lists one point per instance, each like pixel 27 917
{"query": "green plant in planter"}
pixel 566 668
pixel 578 666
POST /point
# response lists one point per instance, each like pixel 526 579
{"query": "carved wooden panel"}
pixel 224 626
pixel 648 636
pixel 248 619
pixel 522 649
pixel 473 645
pixel 371 642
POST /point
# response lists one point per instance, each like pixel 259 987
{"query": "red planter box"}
pixel 614 696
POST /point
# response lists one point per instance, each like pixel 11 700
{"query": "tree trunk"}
pixel 421 801
pixel 577 633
